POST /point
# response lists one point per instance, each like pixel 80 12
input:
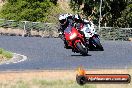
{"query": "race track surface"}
pixel 49 54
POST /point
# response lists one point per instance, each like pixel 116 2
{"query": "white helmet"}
pixel 77 18
pixel 62 19
pixel 69 16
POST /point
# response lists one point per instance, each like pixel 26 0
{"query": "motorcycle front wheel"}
pixel 83 51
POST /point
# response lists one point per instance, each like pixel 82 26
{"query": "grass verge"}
pixel 37 83
pixel 40 80
pixel 5 55
pixel 55 79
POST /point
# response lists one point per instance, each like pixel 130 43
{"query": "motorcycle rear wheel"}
pixel 99 46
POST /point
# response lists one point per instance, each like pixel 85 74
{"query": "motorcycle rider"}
pixel 85 26
pixel 81 22
pixel 66 19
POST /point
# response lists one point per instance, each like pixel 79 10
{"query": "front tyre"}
pixel 83 51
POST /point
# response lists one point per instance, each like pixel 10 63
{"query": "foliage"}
pixel 126 17
pixel 52 15
pixel 29 10
pixel 117 13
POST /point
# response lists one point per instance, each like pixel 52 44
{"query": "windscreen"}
pixel 68 29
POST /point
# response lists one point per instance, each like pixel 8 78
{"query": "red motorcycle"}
pixel 76 40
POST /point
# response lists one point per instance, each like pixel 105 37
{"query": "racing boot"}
pixel 87 41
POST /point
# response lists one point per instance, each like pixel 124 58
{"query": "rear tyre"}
pixel 83 51
pixel 99 46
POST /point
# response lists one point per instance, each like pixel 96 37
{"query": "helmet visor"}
pixel 77 20
pixel 62 21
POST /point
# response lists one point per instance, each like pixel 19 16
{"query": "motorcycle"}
pixel 75 40
pixel 92 37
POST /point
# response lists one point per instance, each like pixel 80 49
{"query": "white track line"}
pixel 11 60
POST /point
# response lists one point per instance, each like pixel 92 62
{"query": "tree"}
pixel 126 17
pixel 116 13
pixel 30 10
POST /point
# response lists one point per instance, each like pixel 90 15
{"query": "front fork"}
pixel 84 45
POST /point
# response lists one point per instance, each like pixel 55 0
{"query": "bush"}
pixel 29 10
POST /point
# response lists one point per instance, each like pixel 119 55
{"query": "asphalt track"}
pixel 49 54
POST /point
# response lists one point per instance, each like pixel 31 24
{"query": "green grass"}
pixel 60 84
pixel 5 53
pixel 40 83
pixel 18 84
pixel 1 50
pixel 21 84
